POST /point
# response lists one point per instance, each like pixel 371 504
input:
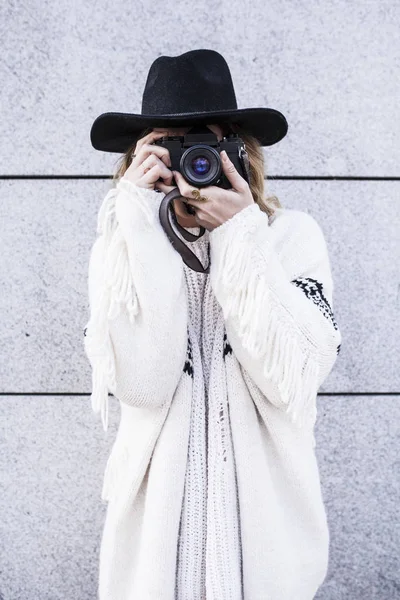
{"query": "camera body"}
pixel 196 155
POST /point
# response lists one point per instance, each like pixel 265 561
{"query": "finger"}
pixel 149 138
pixel 235 179
pixel 184 187
pixel 150 149
pixel 165 187
pixel 155 172
pixel 152 160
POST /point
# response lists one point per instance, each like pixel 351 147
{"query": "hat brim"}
pixel 116 132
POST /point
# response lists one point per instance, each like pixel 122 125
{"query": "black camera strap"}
pixel 165 212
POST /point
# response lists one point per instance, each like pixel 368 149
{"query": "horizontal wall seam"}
pixel 88 394
pixel 269 177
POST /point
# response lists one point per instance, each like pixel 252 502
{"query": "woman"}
pixel 212 484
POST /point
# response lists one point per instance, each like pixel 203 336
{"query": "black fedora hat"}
pixel 194 87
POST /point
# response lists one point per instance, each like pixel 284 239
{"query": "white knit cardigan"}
pixel 272 282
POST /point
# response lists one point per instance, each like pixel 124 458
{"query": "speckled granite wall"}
pixel 332 69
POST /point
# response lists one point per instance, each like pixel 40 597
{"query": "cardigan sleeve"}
pixel 136 336
pixel 277 311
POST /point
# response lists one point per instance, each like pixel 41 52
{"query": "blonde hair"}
pixel 256 159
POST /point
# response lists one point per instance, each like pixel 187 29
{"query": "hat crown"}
pixel 196 81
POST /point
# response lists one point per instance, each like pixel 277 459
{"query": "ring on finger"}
pixel 196 194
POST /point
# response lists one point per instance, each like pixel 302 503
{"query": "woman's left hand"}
pixel 221 204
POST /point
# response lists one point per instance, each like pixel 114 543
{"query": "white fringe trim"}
pixel 115 469
pixel 119 290
pixel 264 333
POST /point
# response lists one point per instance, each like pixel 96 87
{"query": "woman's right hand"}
pixel 150 162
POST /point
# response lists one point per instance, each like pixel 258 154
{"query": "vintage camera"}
pixel 196 155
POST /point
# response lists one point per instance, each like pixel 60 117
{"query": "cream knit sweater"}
pixel 209 536
pixel 263 347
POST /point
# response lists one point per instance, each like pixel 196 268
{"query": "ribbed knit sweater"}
pixel 266 341
pixel 209 535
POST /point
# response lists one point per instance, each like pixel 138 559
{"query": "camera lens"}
pixel 200 165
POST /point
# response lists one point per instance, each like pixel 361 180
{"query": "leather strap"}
pixel 189 258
